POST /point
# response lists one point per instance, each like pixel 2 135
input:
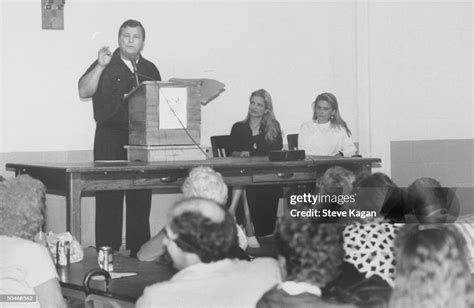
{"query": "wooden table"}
pixel 127 289
pixel 70 180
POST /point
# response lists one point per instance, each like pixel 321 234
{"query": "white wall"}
pixel 414 71
pixel 422 68
pixel 294 50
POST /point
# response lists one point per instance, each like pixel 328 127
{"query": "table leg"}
pixel 73 206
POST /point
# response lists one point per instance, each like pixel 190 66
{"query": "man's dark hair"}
pixel 426 195
pixel 132 24
pixel 378 192
pixel 208 239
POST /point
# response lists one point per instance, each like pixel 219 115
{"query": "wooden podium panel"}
pixel 144 124
pixel 149 139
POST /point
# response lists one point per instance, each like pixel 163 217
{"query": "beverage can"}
pixel 106 258
pixel 63 274
pixel 63 252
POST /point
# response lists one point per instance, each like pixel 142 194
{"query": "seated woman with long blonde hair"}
pixel 257 135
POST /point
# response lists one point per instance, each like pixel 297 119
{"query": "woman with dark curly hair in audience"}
pixel 26 267
pixel 432 269
pixel 310 255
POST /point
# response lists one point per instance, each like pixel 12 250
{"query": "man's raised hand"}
pixel 104 56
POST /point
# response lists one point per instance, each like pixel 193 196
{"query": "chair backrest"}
pixel 292 141
pixel 221 145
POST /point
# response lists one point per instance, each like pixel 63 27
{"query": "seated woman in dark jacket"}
pixel 257 135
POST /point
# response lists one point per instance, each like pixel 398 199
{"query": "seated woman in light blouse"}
pixel 327 134
pixel 26 267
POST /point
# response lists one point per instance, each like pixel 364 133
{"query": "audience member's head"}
pixel 199 231
pixel 377 192
pixel 204 182
pixel 22 207
pixel 336 181
pixel 429 200
pixel 334 187
pixel 432 268
pixel 310 251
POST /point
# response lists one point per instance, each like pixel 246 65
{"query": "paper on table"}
pixel 114 275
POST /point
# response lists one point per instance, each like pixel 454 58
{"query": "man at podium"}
pixel 107 80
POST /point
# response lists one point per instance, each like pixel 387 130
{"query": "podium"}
pixel 165 118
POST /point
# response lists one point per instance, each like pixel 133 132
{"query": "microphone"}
pixel 135 70
pixel 148 77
